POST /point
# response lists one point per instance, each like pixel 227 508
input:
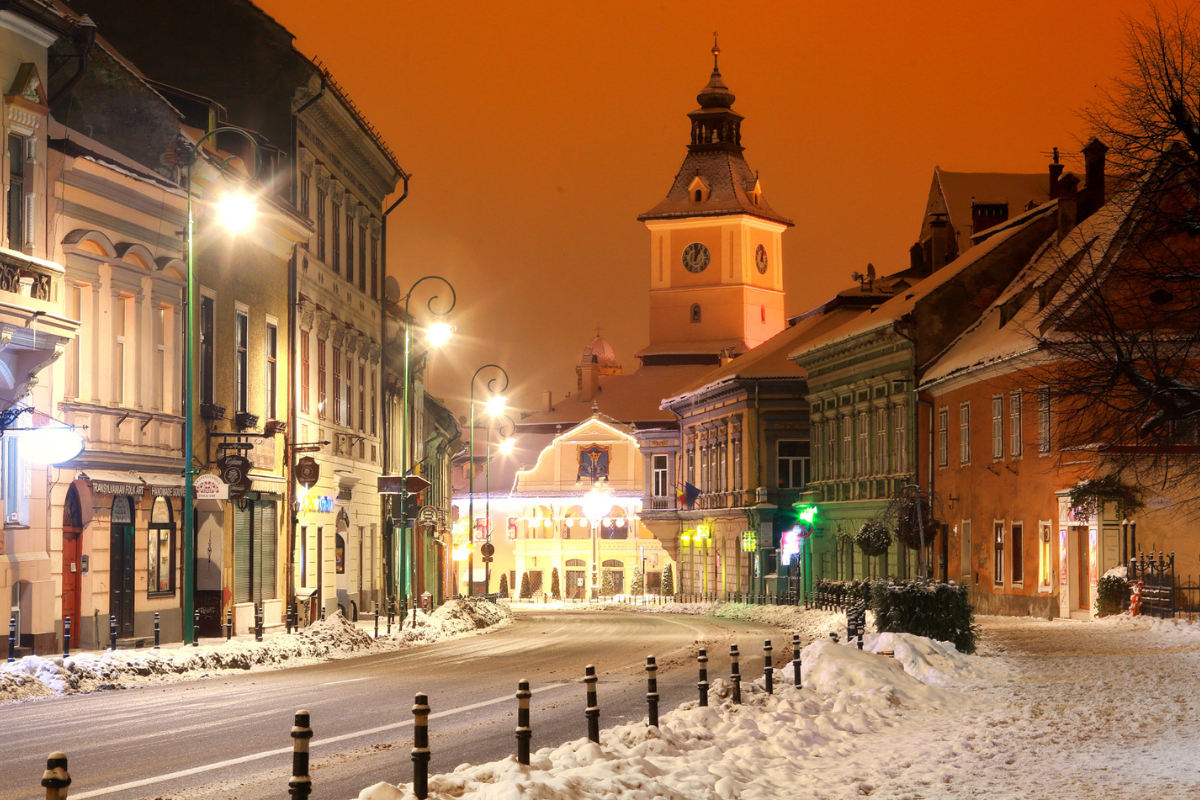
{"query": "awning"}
pixel 268 484
pixel 110 482
pixel 163 484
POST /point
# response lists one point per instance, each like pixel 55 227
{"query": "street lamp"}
pixel 596 504
pixel 436 335
pixel 237 208
pixel 505 447
pixel 495 405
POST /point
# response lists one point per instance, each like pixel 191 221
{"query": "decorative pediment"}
pixel 27 90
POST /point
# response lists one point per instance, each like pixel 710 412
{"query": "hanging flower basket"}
pixel 873 538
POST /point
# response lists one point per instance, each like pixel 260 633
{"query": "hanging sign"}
pixel 749 541
pixel 210 487
pixel 427 515
pixel 235 471
pixel 307 471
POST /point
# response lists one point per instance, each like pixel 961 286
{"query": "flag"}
pixel 688 495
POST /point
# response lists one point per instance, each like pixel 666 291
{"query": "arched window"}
pixel 575 562
pixel 697 196
pixel 695 312
pixel 160 556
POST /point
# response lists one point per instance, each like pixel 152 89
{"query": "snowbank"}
pixel 331 638
pixel 722 751
pixel 810 623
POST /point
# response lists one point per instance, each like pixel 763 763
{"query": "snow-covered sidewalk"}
pixel 1059 709
pixel 332 638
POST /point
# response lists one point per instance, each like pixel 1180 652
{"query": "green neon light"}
pixel 808 514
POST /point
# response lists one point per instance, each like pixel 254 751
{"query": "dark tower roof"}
pixel 714 156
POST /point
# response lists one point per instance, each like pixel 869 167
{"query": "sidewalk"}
pixel 331 638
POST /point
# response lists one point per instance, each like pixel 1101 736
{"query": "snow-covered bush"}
pixel 873 538
pixel 935 610
pixel 1112 595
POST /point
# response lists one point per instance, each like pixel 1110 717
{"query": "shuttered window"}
pixel 254 552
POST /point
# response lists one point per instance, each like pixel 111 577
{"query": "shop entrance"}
pixel 72 567
pixel 121 564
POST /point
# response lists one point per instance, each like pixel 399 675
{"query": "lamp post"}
pixel 437 335
pixel 596 503
pixel 506 447
pixel 495 406
pixel 236 213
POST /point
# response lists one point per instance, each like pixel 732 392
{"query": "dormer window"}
pixel 698 190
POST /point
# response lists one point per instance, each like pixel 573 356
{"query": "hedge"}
pixel 923 608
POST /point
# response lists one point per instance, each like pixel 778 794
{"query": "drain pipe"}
pixel 84 38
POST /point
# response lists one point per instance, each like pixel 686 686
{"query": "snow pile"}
pixel 1168 632
pixel 1118 572
pixel 810 623
pixel 719 752
pixel 330 638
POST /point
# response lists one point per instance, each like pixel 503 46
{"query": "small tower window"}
pixel 698 190
pixel 697 196
pixel 695 312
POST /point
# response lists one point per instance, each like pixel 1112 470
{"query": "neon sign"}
pixel 316 503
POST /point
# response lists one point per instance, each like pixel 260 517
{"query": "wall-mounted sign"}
pixel 235 446
pixel 307 471
pixel 235 471
pixel 317 503
pixel 427 515
pixel 789 543
pixel 593 462
pixel 112 487
pixel 749 541
pixel 210 487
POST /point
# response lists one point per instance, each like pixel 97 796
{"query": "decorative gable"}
pixel 698 190
pixel 27 91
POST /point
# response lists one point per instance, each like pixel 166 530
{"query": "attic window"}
pixel 695 312
pixel 698 196
pixel 698 190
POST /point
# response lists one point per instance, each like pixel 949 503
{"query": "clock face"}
pixel 695 257
pixel 760 259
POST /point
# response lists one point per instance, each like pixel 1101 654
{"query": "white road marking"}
pixel 315 742
pixel 348 680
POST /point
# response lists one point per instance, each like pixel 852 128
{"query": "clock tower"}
pixel 716 266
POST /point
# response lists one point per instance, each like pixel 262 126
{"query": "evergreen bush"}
pixel 667 588
pixel 636 587
pixel 503 585
pixel 555 591
pixel 606 584
pixel 926 608
pixel 526 592
pixel 1112 595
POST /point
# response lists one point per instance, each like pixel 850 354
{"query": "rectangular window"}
pixel 997 427
pixel 336 236
pixel 350 394
pixel 241 361
pixel 362 258
pixel 350 246
pixel 1045 565
pixel 793 463
pixel 1018 553
pixel 321 224
pixel 881 438
pixel 964 433
pixel 660 475
pixel 864 443
pixel 304 364
pixel 208 322
pixel 120 326
pixel 900 438
pixel 305 181
pixel 302 557
pixel 374 404
pixel 13 471
pixel 16 192
pixel 1044 420
pixel 943 434
pixel 998 553
pixel 254 537
pixel 1014 424
pixel 337 385
pixel 321 378
pixel 272 371
pixel 831 459
pixel 691 466
pixel 724 467
pixel 847 447
pixel 362 396
pixel 75 348
pixel 160 358
pixel 738 480
pixel 374 267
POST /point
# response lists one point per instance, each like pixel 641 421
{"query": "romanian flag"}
pixel 687 495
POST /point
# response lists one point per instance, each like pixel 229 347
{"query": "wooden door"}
pixel 1081 573
pixel 121 578
pixel 72 568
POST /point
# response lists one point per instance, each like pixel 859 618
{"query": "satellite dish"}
pixel 871 273
pixel 391 290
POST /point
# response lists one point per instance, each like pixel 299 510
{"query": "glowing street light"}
pixel 439 333
pixel 506 447
pixel 495 405
pixel 236 211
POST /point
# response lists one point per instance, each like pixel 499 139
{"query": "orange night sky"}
pixel 536 132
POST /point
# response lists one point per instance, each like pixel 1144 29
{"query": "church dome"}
pixel 602 350
pixel 715 94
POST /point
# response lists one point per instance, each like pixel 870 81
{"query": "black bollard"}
pixel 652 690
pixel 156 632
pixel 56 779
pixel 377 623
pixel 67 637
pixel 112 631
pixel 300 785
pixel 768 670
pixel 593 710
pixel 12 639
pixel 258 623
pixel 228 624
pixel 196 634
pixel 703 684
pixel 524 732
pixel 420 751
pixel 389 617
pixel 322 612
pixel 735 675
pixel 796 659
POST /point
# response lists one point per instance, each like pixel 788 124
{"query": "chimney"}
pixel 916 258
pixel 941 240
pixel 547 402
pixel 1068 204
pixel 1056 170
pixel 1093 170
pixel 589 378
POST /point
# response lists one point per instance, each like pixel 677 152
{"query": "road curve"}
pixel 227 737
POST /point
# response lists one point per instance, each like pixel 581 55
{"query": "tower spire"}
pixel 716 51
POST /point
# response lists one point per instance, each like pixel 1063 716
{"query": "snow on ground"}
pixel 335 637
pixel 1049 709
pixel 810 623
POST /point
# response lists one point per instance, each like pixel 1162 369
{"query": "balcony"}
pixel 30 320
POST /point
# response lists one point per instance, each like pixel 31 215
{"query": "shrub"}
pixel 846 592
pixel 526 592
pixel 873 538
pixel 925 608
pixel 606 584
pixel 503 585
pixel 555 591
pixel 667 587
pixel 636 587
pixel 1112 595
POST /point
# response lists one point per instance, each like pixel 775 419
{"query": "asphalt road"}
pixel 228 737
